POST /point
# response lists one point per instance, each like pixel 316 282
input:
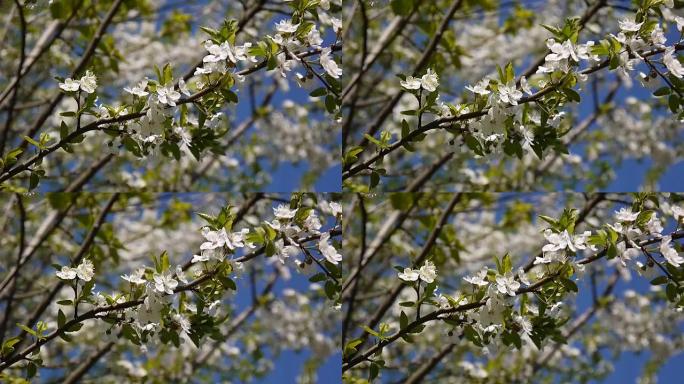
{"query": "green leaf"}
pixel 351 346
pixel 74 327
pixel 34 179
pixel 31 369
pixel 471 334
pixel 405 129
pixel 510 75
pixel 33 142
pixel 227 282
pixel 370 331
pixel 164 257
pixel 673 102
pixel 318 277
pixel 61 319
pixel 330 104
pixel 569 284
pixel 403 320
pixel 330 289
pixel 63 130
pixel 401 7
pixel 374 370
pixel 8 345
pixel 27 329
pixel 671 292
pixel 168 74
pixel 659 280
pixel 318 92
pixel 507 265
pixel 572 95
pixel 663 91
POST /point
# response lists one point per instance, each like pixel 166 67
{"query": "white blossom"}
pixel 284 252
pixel 480 88
pixel 563 240
pixel 327 250
pixel 183 87
pixel 479 278
pixel 167 95
pixel 507 284
pixel 138 90
pixel 329 65
pixel 525 86
pixel 669 253
pixel 200 258
pixel 429 81
pixel 136 277
pixel 410 83
pixel 283 212
pixel 88 82
pixel 409 274
pixel 428 272
pixel 626 214
pixel 673 65
pixel 286 26
pixel 164 283
pixel 66 273
pixel 509 94
pixel 70 85
pixel 629 25
pixel 85 270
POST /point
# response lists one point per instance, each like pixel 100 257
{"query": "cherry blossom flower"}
pixel 629 25
pixel 183 322
pixel 480 88
pixel 525 324
pixel 335 208
pixel 284 64
pixel 509 94
pixel 409 274
pixel 507 284
pixel 327 250
pixel 429 81
pixel 70 85
pixel 680 23
pixel 88 82
pixel 669 253
pixel 183 87
pixel 563 240
pixel 136 277
pixel 85 270
pixel 215 239
pixel 673 65
pixel 200 258
pixel 138 90
pixel 329 64
pixel 525 86
pixel 180 274
pixel 522 276
pixel 626 214
pixel 286 26
pixel 164 283
pixel 678 212
pixel 479 279
pixel 283 212
pixel 410 83
pixel 284 252
pixel 66 273
pixel 167 95
pixel 428 272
